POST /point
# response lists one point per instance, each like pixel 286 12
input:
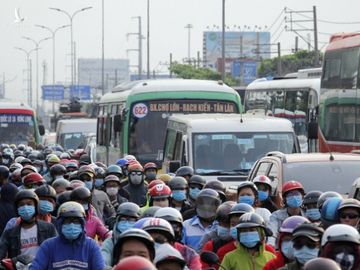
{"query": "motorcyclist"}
pixel 263 184
pixel 329 212
pixel 136 187
pixel 196 184
pixel 179 188
pixel 150 171
pixel 349 212
pixel 112 187
pixel 185 171
pixel 312 212
pixel 47 203
pixel 160 195
pixel 167 257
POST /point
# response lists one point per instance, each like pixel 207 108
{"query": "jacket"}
pixel 60 253
pixel 191 257
pixel 102 204
pixel 7 207
pixel 10 240
pixel 240 258
pixel 94 226
pixel 276 263
pixel 137 193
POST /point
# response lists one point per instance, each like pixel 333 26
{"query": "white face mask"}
pixel 112 191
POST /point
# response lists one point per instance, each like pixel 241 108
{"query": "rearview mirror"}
pixel 174 165
pixel 41 130
pixel 118 123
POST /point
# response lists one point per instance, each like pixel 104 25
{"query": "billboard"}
pixel 249 45
pixel 246 71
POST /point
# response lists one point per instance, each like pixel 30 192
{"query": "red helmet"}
pixel 292 185
pixel 33 179
pixel 160 191
pixel 150 165
pixel 134 263
pixel 154 183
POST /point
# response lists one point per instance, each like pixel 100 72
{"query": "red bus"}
pixel 339 109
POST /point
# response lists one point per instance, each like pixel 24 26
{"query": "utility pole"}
pixel 189 27
pixel 316 49
pixel 296 43
pixel 139 50
pixel 279 66
pixel 223 43
pixel 171 57
pixel 148 39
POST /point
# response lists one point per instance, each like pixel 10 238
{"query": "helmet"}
pixel 155 182
pixel 223 211
pixel 326 195
pixel 290 223
pixel 207 199
pixel 84 160
pixel 292 185
pixel 160 191
pixel 185 171
pixel 46 191
pixel 170 214
pixel 312 197
pixel 61 183
pixel 135 167
pixel 4 172
pixel 27 168
pixel 198 180
pixel 159 225
pixel 241 208
pixel 81 194
pixel 63 197
pixel 111 178
pixel 164 177
pixel 78 153
pixel 18 159
pixel 16 175
pixel 86 169
pixel 33 179
pixel 262 179
pixel 137 234
pixel 25 161
pixel 177 183
pixel 122 162
pixel 71 209
pixel 114 169
pixel 150 212
pixel 150 165
pixel 340 233
pixel 321 263
pixel 138 224
pixel 128 209
pixel 217 186
pixel 71 165
pixel 26 194
pixel 167 253
pixel 21 147
pixel 309 230
pixel 100 164
pixel 100 173
pixel 248 184
pixel 129 157
pixel 134 263
pixel 329 211
pixel 65 155
pixel 349 203
pixel 57 169
pixel 53 159
pixel 12 167
pixel 252 220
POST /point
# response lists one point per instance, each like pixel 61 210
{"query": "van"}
pixel 73 133
pixel 224 146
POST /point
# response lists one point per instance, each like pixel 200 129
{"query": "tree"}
pixel 290 63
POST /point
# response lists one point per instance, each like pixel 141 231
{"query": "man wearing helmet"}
pixel 71 249
pixel 349 212
pixel 263 184
pixel 150 170
pixel 136 187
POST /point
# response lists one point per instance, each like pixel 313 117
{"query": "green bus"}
pixel 132 119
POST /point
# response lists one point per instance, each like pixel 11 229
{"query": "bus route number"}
pixel 140 110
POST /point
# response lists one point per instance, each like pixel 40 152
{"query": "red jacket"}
pixel 191 257
pixel 276 263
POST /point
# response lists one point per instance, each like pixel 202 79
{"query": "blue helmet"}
pixel 329 211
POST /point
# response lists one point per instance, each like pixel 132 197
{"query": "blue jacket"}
pixel 59 253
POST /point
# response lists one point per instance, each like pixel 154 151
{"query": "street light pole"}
pixel 71 17
pixel 102 47
pixel 148 39
pixel 223 43
pixel 189 27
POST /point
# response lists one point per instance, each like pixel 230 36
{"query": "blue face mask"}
pixel 313 214
pixel 124 225
pixel 233 233
pixel 45 207
pixel 26 212
pixel 179 195
pixel 249 239
pixel 223 233
pixel 99 182
pixel 194 192
pixel 305 254
pixel 294 201
pixel 246 199
pixel 89 185
pixel 71 231
pixel 263 195
pixel 287 249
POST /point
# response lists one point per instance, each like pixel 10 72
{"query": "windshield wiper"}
pixel 216 173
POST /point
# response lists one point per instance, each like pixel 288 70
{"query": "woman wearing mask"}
pixel 112 187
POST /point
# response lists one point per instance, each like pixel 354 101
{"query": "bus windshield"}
pixel 17 128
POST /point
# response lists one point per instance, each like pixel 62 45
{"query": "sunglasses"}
pixel 350 216
pixel 30 186
pixel 136 173
pixel 300 244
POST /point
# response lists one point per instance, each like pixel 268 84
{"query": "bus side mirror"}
pixel 41 130
pixel 313 130
pixel 174 165
pixel 118 123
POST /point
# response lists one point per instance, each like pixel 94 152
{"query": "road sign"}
pixel 52 92
pixel 249 72
pixel 83 92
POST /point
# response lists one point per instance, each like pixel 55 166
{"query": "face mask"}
pixel 135 179
pixel 246 199
pixel 45 207
pixel 99 182
pixel 89 185
pixel 249 239
pixel 86 206
pixel 194 192
pixel 112 191
pixel 26 212
pixel 223 233
pixel 305 254
pixel 151 176
pixel 233 233
pixel 345 260
pixel 287 249
pixel 124 225
pixel 263 195
pixel 71 231
pixel 294 201
pixel 313 214
pixel 179 195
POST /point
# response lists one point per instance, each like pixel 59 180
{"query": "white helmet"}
pixel 170 214
pixel 340 233
pixel 129 157
pixel 167 253
pixel 262 179
pixel 161 225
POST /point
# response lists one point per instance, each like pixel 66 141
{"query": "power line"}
pixel 276 39
pixel 277 18
pixel 277 29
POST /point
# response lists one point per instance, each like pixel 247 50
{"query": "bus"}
pixel 18 124
pixel 339 109
pixel 132 119
pixel 295 99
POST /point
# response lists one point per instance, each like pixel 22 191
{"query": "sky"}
pixel 168 34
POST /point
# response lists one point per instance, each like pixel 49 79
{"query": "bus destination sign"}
pixel 192 106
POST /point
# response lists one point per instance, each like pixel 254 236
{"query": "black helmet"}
pixel 198 180
pixel 33 156
pixel 128 209
pixel 312 197
pixel 248 184
pixel 217 186
pixel 84 160
pixel 185 171
pixel 207 199
pixel 177 183
pixel 223 211
pixel 252 220
pixel 241 208
pixel 321 263
pixel 81 194
pixel 137 234
pixel 326 195
pixel 114 169
pixel 150 212
pixel 46 191
pixel 57 169
pixel 25 161
pixel 4 172
pixel 63 197
pixel 27 194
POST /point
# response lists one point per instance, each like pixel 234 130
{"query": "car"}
pixel 315 171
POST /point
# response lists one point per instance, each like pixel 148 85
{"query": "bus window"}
pixel 170 144
pixel 349 68
pixel 178 146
